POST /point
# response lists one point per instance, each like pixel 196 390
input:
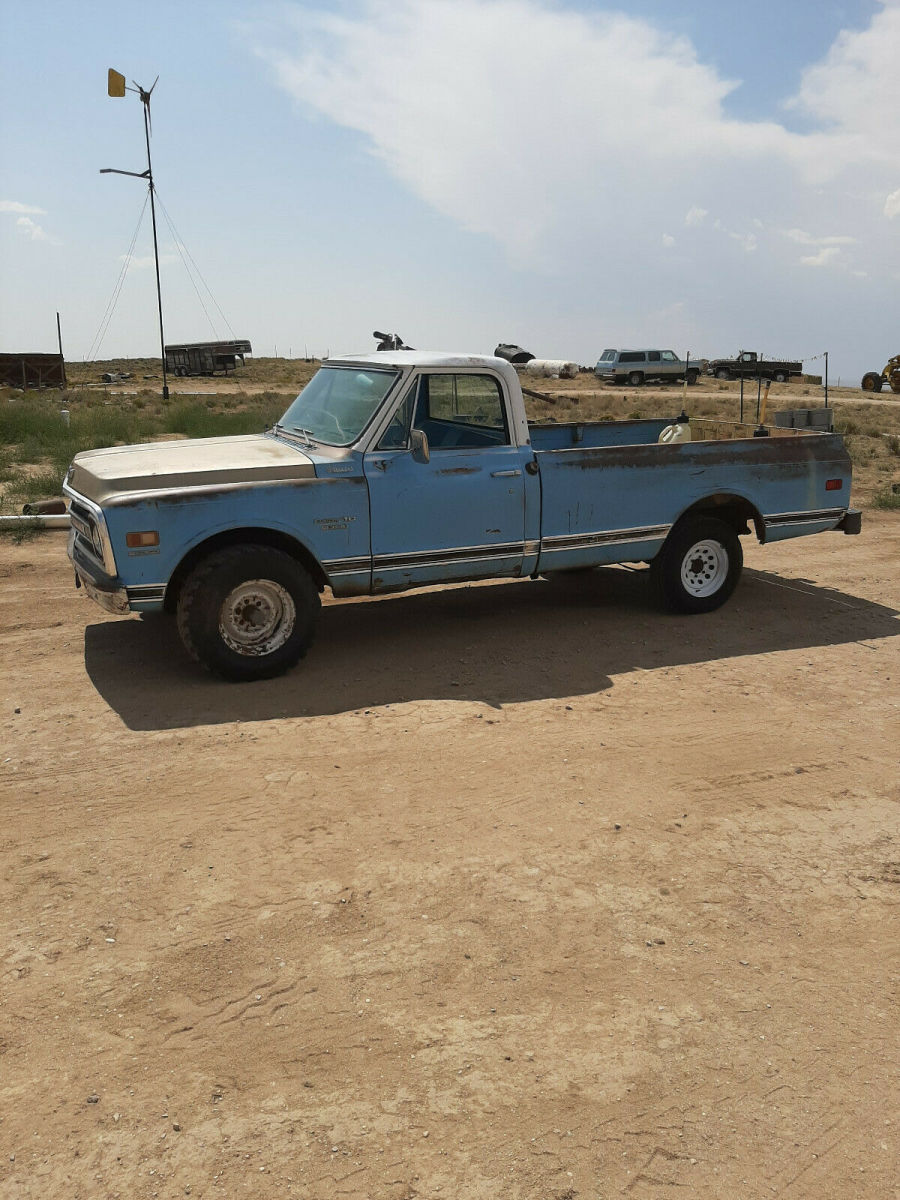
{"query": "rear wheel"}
pixel 781 377
pixel 692 377
pixel 635 379
pixel 723 373
pixel 699 565
pixel 248 612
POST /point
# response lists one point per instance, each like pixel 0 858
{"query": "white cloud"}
pixel 807 239
pixel 748 241
pixel 26 226
pixel 826 255
pixel 14 206
pixel 854 93
pixel 572 135
pixel 478 105
pixel 35 232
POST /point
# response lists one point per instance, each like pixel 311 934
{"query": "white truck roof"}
pixel 423 358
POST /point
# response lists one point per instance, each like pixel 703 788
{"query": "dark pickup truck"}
pixel 748 365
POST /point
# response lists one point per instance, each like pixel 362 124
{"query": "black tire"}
pixel 780 376
pixel 692 377
pixel 635 379
pixel 872 382
pixel 698 567
pixel 723 373
pixel 248 612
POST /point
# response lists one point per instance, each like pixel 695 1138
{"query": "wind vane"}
pixel 117 87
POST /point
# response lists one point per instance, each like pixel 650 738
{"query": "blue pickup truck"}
pixel 402 469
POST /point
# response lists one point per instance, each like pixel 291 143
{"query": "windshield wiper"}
pixel 296 430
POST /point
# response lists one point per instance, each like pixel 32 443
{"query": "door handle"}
pixel 505 474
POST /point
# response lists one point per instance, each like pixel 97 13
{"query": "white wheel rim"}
pixel 704 568
pixel 257 617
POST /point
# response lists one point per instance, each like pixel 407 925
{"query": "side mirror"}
pixel 418 444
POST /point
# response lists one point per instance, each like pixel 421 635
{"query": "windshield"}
pixel 338 403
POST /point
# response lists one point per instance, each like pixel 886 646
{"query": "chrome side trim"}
pixel 608 537
pixel 346 566
pixel 804 518
pixel 491 553
pixel 146 591
pixel 431 558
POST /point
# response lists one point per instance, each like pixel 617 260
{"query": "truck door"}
pixel 461 515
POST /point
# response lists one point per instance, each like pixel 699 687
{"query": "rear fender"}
pixel 735 510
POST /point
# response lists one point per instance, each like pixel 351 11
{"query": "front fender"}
pixel 324 523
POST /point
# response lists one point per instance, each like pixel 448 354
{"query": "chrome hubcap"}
pixel 704 568
pixel 257 617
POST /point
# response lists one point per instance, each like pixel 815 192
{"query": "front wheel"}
pixel 872 382
pixel 699 565
pixel 248 612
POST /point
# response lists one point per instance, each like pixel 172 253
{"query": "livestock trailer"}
pixel 206 358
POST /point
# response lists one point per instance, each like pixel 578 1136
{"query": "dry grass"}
pixel 264 387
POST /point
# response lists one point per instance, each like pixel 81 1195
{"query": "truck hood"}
pixel 101 475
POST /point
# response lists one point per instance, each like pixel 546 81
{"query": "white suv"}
pixel 636 366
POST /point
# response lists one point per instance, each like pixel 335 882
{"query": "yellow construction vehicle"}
pixel 873 382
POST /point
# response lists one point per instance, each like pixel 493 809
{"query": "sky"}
pixel 568 175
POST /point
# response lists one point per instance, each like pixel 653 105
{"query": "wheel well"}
pixel 234 537
pixel 734 510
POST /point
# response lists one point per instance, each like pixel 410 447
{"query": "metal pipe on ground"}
pixel 35 521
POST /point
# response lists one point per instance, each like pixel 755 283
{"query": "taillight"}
pixel 833 485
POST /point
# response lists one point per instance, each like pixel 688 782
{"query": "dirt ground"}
pixel 520 890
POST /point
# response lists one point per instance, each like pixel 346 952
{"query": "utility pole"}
pixel 116 87
pixel 62 359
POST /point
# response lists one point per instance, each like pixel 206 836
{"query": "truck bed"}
pixel 639 488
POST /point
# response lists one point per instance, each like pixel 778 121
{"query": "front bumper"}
pixel 105 589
